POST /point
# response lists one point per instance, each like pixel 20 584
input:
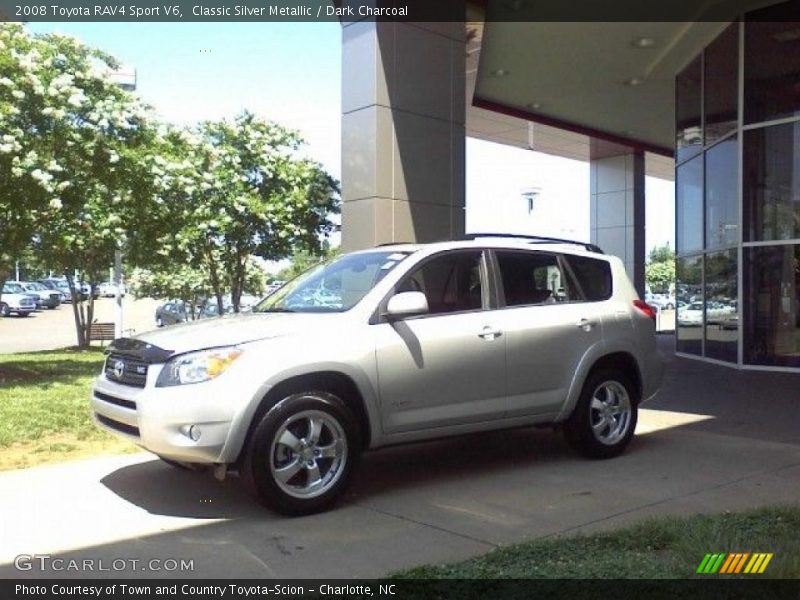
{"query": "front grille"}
pixel 27 302
pixel 116 425
pixel 114 400
pixel 55 296
pixel 126 370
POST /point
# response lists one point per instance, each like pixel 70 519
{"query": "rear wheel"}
pixel 302 453
pixel 603 422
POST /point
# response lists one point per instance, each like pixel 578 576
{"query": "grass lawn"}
pixel 667 547
pixel 44 408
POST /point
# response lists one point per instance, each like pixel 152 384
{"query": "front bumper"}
pixel 160 419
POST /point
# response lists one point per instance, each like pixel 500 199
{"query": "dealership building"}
pixel 714 105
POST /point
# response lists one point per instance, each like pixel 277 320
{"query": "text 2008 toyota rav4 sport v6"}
pixel 394 344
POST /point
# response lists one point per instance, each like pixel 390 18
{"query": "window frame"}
pixel 488 288
pixel 566 270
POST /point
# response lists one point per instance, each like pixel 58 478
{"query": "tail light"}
pixel 645 309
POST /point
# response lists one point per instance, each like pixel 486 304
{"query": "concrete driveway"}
pixel 714 439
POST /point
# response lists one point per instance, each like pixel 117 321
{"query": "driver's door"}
pixel 446 367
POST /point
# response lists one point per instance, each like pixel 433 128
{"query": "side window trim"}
pixel 378 316
pixel 499 277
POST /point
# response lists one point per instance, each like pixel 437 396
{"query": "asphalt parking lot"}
pixel 714 439
pixel 51 329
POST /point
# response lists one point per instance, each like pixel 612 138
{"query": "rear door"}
pixel 548 328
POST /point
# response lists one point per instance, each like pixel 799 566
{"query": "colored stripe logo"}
pixel 734 563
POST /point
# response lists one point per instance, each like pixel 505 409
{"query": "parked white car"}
pixel 16 300
pixel 691 315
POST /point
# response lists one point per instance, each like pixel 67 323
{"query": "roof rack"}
pixel 535 239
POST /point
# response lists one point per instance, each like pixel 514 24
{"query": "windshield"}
pixel 335 286
pixel 13 288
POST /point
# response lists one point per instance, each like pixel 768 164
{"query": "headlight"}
pixel 197 367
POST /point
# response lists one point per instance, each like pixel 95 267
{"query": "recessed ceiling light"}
pixel 634 81
pixel 498 73
pixel 534 105
pixel 642 42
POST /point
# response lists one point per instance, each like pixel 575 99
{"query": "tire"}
pixel 4 310
pixel 317 466
pixel 604 390
pixel 159 322
pixel 184 466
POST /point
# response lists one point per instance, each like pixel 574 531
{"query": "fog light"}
pixel 193 432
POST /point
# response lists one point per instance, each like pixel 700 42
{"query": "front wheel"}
pixel 302 453
pixel 4 310
pixel 603 422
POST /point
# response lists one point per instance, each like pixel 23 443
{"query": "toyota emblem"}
pixel 119 369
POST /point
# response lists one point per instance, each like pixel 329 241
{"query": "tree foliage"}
pixel 660 270
pixel 238 189
pixel 85 169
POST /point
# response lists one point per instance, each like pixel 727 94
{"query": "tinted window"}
pixel 771 183
pixel 772 306
pixel 772 63
pixel 593 275
pixel 689 297
pixel 531 278
pixel 451 282
pixel 721 89
pixel 721 297
pixel 689 206
pixel 688 133
pixel 722 202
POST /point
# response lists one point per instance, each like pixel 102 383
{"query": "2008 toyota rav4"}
pixel 394 344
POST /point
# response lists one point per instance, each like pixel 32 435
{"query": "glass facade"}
pixel 771 183
pixel 772 305
pixel 688 97
pixel 689 208
pixel 720 85
pixel 772 64
pixel 689 298
pixel 738 194
pixel 721 305
pixel 722 194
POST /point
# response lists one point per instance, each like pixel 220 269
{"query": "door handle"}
pixel 586 324
pixel 489 333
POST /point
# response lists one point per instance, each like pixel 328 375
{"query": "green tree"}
pixel 303 260
pixel 239 189
pixel 659 272
pixel 76 143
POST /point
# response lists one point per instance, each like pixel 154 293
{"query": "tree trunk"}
pixel 77 313
pixel 215 284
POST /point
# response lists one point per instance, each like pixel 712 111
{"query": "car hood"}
pixel 234 329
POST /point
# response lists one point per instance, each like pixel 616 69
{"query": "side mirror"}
pixel 406 304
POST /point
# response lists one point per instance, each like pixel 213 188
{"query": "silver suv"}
pixel 395 344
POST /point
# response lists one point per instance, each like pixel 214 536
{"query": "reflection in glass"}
pixel 689 208
pixel 688 131
pixel 771 183
pixel 772 64
pixel 721 300
pixel 722 205
pixel 721 91
pixel 772 306
pixel 689 299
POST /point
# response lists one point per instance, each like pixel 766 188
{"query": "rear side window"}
pixel 531 278
pixel 593 275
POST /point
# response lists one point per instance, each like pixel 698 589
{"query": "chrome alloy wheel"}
pixel 610 412
pixel 308 454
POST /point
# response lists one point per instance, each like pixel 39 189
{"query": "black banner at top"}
pixel 347 11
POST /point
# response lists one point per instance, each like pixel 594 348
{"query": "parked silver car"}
pixel 423 341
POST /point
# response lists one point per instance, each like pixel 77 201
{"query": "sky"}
pixel 291 73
